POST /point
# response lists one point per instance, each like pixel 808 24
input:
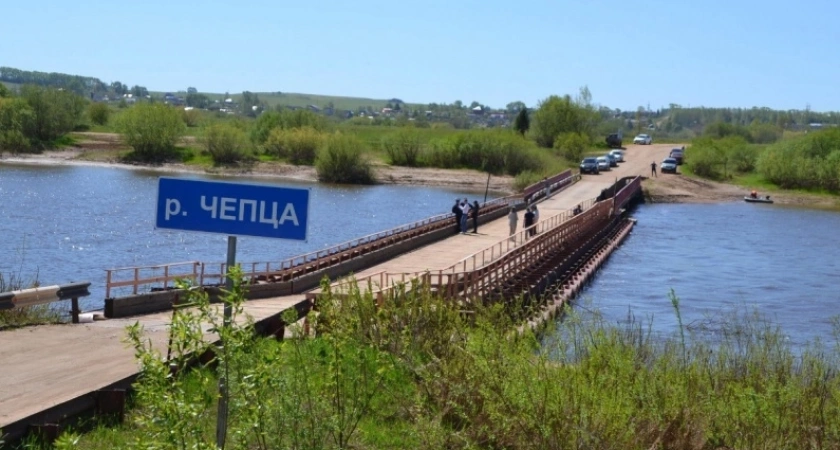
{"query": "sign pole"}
pixel 221 421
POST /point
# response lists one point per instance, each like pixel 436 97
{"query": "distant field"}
pixel 304 100
pixel 12 86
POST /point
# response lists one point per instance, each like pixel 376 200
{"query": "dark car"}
pixel 678 154
pixel 589 165
pixel 614 140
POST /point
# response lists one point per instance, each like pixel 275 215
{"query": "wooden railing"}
pixel 381 283
pixel 623 196
pixel 203 274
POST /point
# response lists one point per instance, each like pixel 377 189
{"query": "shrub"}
pixel 718 158
pixel 98 113
pixel 525 179
pixel 227 144
pixel 810 161
pixel 496 151
pixel 270 120
pixel 191 117
pixel 403 147
pixel 571 146
pixel 341 160
pixel 151 129
pixel 299 145
pixel 56 112
pixel 15 118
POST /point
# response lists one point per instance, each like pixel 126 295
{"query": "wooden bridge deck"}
pixel 44 366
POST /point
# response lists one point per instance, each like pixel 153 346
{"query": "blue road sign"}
pixel 232 208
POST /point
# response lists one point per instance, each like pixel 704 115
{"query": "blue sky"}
pixel 738 53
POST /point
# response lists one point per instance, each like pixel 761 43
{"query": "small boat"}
pixel 749 199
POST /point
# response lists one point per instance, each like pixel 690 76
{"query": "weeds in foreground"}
pixel 417 372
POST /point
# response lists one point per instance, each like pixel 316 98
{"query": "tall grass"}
pixel 28 315
pixel 494 151
pixel 415 372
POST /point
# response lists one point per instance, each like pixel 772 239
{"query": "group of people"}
pixel 532 216
pixel 463 210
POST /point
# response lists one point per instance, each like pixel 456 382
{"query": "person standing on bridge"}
pixel 653 169
pixel 474 212
pixel 465 214
pixel 529 222
pixel 458 213
pixel 513 219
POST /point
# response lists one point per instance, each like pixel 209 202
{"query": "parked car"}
pixel 643 139
pixel 669 165
pixel 589 165
pixel 678 154
pixel 603 163
pixel 617 155
pixel 614 140
pixel 613 162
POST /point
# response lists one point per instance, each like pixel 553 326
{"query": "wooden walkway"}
pixel 44 366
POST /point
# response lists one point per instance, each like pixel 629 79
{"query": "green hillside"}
pixel 303 100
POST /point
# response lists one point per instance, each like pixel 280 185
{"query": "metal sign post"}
pixel 232 209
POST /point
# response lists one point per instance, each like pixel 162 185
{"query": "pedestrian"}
pixel 513 218
pixel 465 211
pixel 546 187
pixel 529 222
pixel 474 211
pixel 458 213
pixel 536 215
pixel 653 169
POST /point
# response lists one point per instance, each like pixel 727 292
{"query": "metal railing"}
pixel 46 294
pixel 145 275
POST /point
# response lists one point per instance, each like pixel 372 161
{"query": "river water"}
pixel 70 223
pixel 723 260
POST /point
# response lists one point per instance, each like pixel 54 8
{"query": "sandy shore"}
pixel 470 180
pixel 103 149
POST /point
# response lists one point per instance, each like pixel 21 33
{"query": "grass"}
pixel 416 373
pixel 31 315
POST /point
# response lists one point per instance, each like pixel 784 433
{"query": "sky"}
pixel 629 53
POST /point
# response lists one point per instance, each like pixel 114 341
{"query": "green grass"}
pixel 427 377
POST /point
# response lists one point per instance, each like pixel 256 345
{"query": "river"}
pixel 722 260
pixel 66 224
pixel 70 223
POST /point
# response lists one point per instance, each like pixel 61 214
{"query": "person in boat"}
pixel 767 197
pixel 754 194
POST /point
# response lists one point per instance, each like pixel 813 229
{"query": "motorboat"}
pixel 751 199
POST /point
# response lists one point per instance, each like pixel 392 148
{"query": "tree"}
pixel 192 90
pixel 4 91
pixel 197 100
pixel 151 129
pixel 119 88
pixel 56 112
pixel 139 91
pixel 98 113
pixel 516 106
pixel 522 122
pixel 557 115
pixel 16 116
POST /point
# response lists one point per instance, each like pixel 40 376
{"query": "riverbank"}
pixel 470 180
pixel 670 188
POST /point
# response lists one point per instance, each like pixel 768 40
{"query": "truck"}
pixel 614 140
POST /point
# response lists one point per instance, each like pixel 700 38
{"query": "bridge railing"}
pixel 537 190
pixel 623 196
pixel 381 282
pixel 203 273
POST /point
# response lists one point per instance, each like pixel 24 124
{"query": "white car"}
pixel 603 163
pixel 643 139
pixel 617 155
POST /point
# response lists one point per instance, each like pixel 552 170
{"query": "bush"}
pixel 191 117
pixel 98 113
pixel 298 145
pixel 494 151
pixel 15 118
pixel 55 112
pixel 403 147
pixel 151 129
pixel 525 179
pixel 811 161
pixel 341 160
pixel 571 146
pixel 227 144
pixel 270 120
pixel 718 158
